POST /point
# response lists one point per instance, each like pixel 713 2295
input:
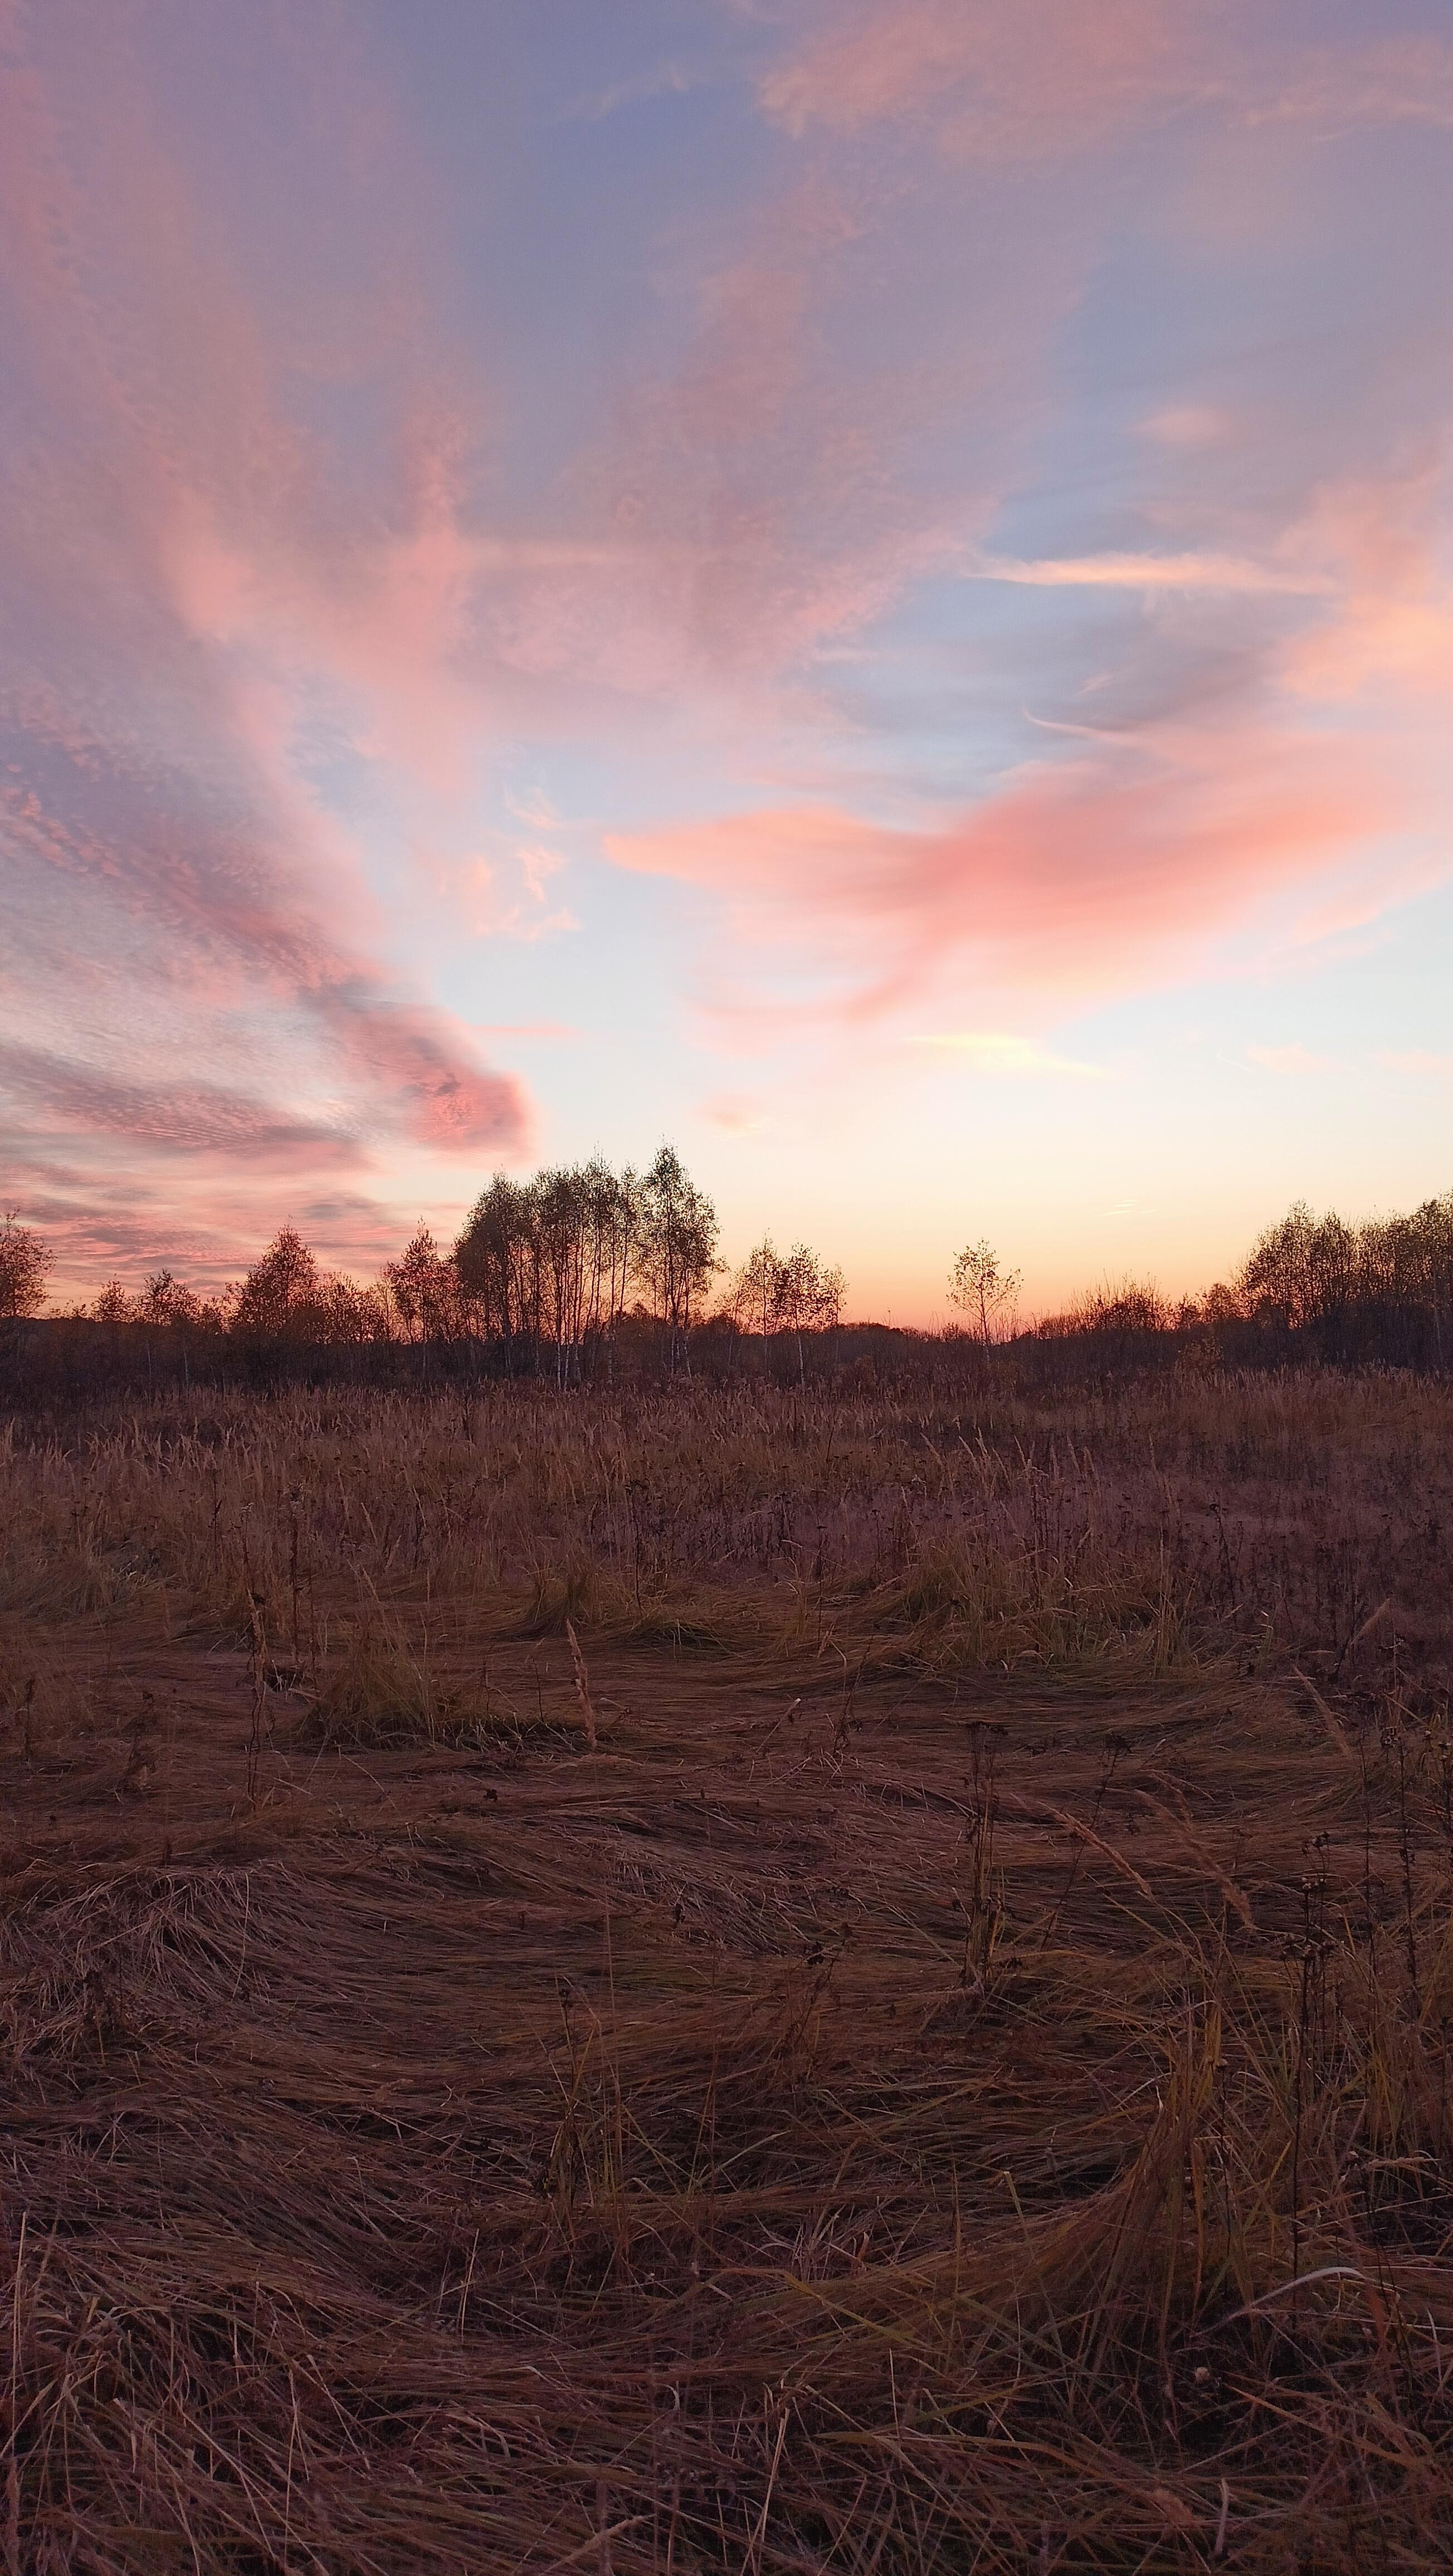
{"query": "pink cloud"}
pixel 1293 1059
pixel 1044 76
pixel 197 595
pixel 733 1114
pixel 1075 879
pixel 200 1117
pixel 1050 77
pixel 1381 540
pixel 1395 80
pixel 1187 425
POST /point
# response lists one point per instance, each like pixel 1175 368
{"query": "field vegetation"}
pixel 838 1963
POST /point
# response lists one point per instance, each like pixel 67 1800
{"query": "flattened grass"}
pixel 956 2080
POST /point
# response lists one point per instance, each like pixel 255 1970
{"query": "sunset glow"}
pixel 865 587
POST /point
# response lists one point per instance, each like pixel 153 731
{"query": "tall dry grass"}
pixel 956 2079
pixel 1178 1518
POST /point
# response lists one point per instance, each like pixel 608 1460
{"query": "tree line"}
pixel 1381 1291
pixel 551 1267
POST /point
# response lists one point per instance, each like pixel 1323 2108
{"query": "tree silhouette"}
pixel 281 1296
pixel 982 1290
pixel 423 1285
pixel 795 1293
pixel 114 1303
pixel 676 1239
pixel 167 1300
pixel 25 1264
pixel 809 1298
pixel 549 1263
pixel 752 1299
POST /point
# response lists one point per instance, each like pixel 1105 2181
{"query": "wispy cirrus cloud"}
pixel 1075 879
pixel 1282 569
pixel 1031 81
pixel 1049 77
pixel 1149 572
pixel 193 619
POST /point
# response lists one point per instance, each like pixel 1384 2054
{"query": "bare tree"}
pixel 281 1297
pixel 1303 1270
pixel 423 1287
pixel 589 1221
pixel 25 1264
pixel 795 1293
pixel 809 1299
pixel 752 1298
pixel 348 1310
pixel 166 1303
pixel 549 1261
pixel 497 1258
pixel 168 1300
pixel 982 1290
pixel 676 1239
pixel 114 1304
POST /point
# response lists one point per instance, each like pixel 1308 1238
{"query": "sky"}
pixel 861 585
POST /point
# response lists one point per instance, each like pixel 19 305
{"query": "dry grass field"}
pixel 729 1981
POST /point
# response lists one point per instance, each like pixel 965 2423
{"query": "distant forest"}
pixel 549 1274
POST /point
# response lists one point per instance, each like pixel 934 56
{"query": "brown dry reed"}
pixel 729 1981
